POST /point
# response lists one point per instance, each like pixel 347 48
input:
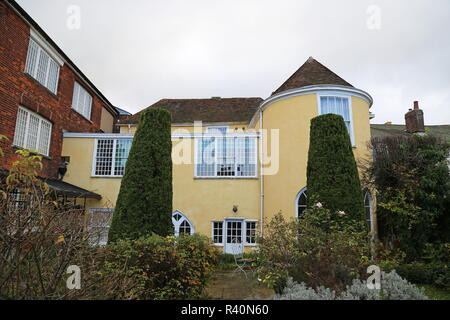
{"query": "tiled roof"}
pixel 381 130
pixel 206 110
pixel 311 73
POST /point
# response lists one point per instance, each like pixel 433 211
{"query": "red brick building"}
pixel 42 92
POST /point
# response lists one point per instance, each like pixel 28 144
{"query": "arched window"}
pixel 368 208
pixel 181 224
pixel 300 202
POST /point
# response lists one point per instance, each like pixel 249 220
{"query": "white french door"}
pixel 234 242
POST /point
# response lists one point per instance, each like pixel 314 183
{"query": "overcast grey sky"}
pixel 139 51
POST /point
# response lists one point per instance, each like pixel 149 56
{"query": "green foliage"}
pixel 319 249
pixel 411 176
pixel 434 293
pixel 159 268
pixel 144 204
pixel 422 273
pixel 393 287
pixel 332 175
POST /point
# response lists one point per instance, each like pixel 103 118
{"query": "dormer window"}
pixel 340 106
pixel 41 66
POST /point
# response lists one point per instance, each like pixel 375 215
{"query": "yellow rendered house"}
pixel 236 161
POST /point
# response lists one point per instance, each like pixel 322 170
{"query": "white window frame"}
pixel 177 224
pixel 297 198
pixel 350 109
pixel 244 231
pixel 218 244
pixel 107 226
pixel 82 93
pixel 219 136
pixel 38 134
pixel 113 158
pixel 211 128
pixel 53 57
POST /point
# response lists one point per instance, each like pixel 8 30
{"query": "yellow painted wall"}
pixel 79 171
pixel 107 121
pixel 292 117
pixel 201 200
pixel 207 200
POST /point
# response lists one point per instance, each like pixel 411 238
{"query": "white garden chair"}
pixel 238 254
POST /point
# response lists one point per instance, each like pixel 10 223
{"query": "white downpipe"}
pixel 261 173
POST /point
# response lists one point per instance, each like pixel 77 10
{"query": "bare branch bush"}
pixel 40 238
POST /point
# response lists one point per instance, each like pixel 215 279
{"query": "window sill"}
pixel 245 244
pixel 226 178
pixel 107 177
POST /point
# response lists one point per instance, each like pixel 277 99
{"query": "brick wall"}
pixel 18 88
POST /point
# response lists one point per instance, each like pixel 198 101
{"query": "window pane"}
pixel 21 126
pixel 82 101
pixel 218 232
pixel 32 136
pixel 302 203
pixel 122 151
pixel 44 137
pixel 233 157
pixel 53 73
pixel 42 68
pixel 206 157
pixel 336 105
pixel 103 163
pixel 32 56
pixel 32 132
pixel 221 130
pixel 251 232
pixel 225 157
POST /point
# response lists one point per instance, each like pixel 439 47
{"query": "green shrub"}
pixel 144 203
pixel 160 268
pixel 319 249
pixel 436 274
pixel 332 176
pixel 411 175
pixel 416 272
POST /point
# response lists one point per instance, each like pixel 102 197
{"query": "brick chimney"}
pixel 414 120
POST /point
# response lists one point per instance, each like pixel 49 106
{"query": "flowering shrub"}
pixel 320 249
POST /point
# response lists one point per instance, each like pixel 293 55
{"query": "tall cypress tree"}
pixel 144 204
pixel 332 176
